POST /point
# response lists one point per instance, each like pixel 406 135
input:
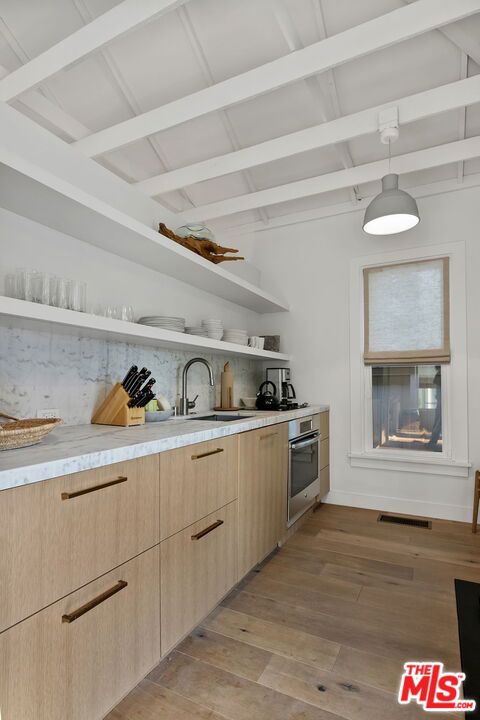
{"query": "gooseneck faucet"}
pixel 185 403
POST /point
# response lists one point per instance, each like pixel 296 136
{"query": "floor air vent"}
pixel 411 522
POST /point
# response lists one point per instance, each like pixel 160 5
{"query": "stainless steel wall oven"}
pixel 303 465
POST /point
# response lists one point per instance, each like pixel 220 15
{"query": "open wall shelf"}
pixel 20 313
pixel 45 179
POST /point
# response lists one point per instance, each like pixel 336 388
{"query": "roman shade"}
pixel 407 318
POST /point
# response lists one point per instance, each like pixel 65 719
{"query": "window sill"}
pixel 424 465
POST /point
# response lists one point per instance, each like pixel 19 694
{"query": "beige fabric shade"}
pixel 407 313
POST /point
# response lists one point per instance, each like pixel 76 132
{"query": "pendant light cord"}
pixel 389 156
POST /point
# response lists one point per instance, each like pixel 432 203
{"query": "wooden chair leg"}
pixel 476 500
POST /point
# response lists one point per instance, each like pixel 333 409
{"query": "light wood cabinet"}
pixel 262 497
pixel 59 534
pixel 195 481
pixel 325 424
pixel 198 567
pixel 51 669
pixel 324 453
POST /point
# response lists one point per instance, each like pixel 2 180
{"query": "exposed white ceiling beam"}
pixel 459 34
pixel 420 191
pixel 462 115
pixel 394 27
pixel 328 78
pixel 115 22
pixel 415 107
pixel 322 87
pixel 202 60
pixel 56 118
pixel 401 164
pixel 129 97
pixel 465 41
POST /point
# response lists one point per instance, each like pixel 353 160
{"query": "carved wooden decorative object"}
pixel 205 248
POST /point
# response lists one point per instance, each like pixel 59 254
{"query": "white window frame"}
pixel 453 460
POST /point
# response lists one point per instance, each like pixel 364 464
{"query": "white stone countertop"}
pixel 83 447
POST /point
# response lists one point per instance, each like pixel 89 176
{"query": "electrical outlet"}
pixel 48 413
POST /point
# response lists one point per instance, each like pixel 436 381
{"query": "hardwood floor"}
pixel 320 631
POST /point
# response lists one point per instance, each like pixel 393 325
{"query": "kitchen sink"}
pixel 223 418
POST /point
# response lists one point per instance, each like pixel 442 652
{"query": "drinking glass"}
pixel 10 285
pixel 77 295
pixel 60 295
pixel 40 284
pixel 110 311
pixel 23 282
pixel 125 312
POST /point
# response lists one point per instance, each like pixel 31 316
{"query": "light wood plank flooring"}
pixel 320 631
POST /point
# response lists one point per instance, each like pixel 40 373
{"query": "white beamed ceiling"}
pixel 200 42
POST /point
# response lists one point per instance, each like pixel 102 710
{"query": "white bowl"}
pixel 158 416
pixel 249 403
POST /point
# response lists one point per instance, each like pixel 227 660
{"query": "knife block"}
pixel 114 410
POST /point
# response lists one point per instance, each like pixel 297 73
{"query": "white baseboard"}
pixel 400 505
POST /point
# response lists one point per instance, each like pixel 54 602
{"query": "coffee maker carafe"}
pixel 280 377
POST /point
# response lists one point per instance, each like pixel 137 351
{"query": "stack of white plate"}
pixel 213 328
pixel 200 331
pixel 165 322
pixel 239 337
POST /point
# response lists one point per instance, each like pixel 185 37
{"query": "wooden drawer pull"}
pixel 206 454
pixel 268 435
pixel 94 488
pixel 71 617
pixel 207 530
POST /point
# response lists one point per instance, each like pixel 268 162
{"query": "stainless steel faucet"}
pixel 185 403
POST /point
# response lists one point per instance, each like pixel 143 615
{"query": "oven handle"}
pixel 305 443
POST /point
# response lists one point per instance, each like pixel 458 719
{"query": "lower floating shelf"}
pixel 20 313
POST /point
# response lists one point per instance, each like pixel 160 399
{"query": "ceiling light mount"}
pixel 388 125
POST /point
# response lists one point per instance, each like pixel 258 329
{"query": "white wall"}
pixel 311 262
pixel 110 278
pixel 45 369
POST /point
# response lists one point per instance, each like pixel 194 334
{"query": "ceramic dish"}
pixel 158 416
pixel 249 403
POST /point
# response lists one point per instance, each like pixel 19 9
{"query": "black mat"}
pixel 468 612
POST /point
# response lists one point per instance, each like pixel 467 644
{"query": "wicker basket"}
pixel 21 433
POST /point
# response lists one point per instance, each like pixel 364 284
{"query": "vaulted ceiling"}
pixel 160 71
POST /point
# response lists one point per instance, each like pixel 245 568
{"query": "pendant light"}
pixel 393 210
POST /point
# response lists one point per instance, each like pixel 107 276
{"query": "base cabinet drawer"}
pixel 195 481
pixel 324 453
pixel 325 424
pixel 324 481
pixel 60 534
pixel 198 567
pixel 78 657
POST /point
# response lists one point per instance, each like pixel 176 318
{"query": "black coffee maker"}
pixel 285 392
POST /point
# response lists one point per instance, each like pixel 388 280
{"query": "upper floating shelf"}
pixel 20 313
pixel 45 179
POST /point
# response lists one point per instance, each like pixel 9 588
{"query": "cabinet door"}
pixel 78 657
pixel 198 567
pixel 60 534
pixel 325 424
pixel 195 481
pixel 262 496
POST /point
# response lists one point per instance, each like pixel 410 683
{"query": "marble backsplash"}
pixel 42 370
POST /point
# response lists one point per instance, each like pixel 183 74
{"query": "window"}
pixel 408 360
pixel 407 407
pixel 407 316
pixel 407 322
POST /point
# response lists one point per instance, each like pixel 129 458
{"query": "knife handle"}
pixel 129 375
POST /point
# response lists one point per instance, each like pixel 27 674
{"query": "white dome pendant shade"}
pixel 392 211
